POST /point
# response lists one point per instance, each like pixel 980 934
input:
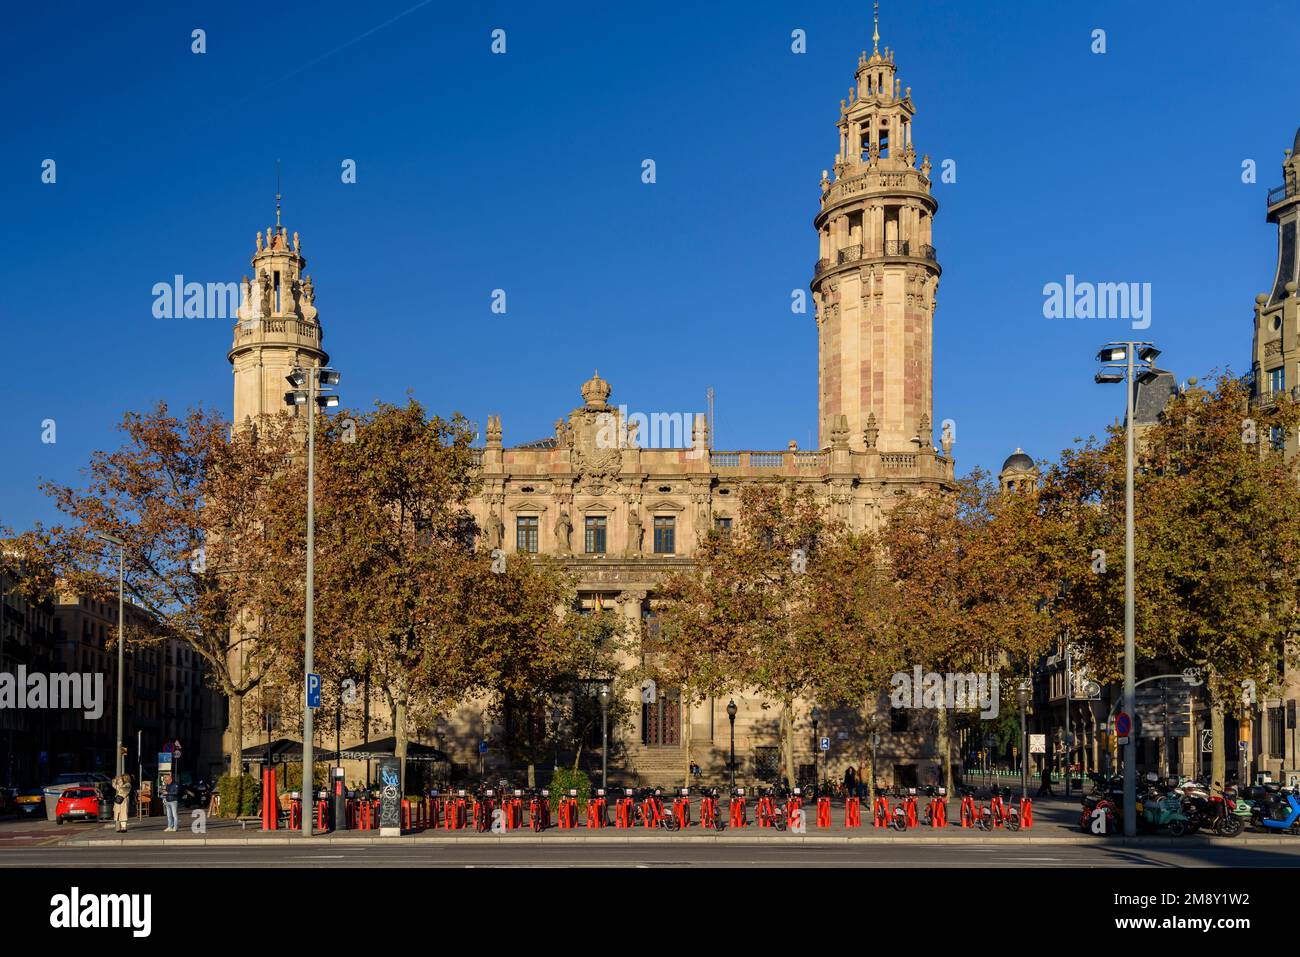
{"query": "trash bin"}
pixel 51 794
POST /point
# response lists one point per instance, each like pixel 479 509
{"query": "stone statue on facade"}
pixel 563 529
pixel 496 529
pixel 634 530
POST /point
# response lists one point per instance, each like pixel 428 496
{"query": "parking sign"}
pixel 313 691
pixel 826 744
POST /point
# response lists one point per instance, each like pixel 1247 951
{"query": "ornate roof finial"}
pixel 875 33
pixel 277 196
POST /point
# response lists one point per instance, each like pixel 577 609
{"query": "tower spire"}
pixel 875 32
pixel 277 195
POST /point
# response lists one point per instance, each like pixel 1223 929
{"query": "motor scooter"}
pixel 1280 815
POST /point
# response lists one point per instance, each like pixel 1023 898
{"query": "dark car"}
pixel 30 802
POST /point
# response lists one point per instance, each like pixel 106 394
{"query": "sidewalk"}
pixel 1055 823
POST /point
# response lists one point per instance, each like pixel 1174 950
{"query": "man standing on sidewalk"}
pixel 170 794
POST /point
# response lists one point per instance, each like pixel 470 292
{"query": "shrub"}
pixel 241 795
pixel 565 778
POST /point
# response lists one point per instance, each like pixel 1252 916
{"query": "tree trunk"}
pixel 945 748
pixel 1218 762
pixel 686 739
pixel 787 741
pixel 236 731
pixel 399 728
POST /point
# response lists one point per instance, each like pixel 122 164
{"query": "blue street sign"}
pixel 313 691
pixel 482 747
pixel 826 744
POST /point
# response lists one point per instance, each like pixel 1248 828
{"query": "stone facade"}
pixel 622 515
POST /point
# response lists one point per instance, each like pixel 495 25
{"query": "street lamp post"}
pixel 1120 361
pixel 731 763
pixel 121 640
pixel 316 379
pixel 604 735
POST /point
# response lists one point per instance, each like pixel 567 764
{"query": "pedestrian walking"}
pixel 850 782
pixel 1045 787
pixel 121 800
pixel 170 794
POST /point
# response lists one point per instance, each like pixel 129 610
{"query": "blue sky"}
pixel 522 172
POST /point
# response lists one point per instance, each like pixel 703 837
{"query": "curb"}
pixel 610 840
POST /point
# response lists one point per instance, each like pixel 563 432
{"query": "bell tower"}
pixel 877 274
pixel 277 326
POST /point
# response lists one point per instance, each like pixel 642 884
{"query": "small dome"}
pixel 1018 461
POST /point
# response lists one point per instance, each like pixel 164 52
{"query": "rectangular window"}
pixel 1276 732
pixel 665 534
pixel 1277 438
pixel 526 534
pixel 661 720
pixel 1277 379
pixel 595 534
pixel 898 722
pixel 723 525
pixel 884 142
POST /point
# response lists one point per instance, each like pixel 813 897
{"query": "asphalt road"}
pixel 651 855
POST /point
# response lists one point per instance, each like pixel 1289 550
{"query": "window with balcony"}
pixel 1277 379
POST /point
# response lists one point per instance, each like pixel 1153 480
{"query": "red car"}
pixel 80 804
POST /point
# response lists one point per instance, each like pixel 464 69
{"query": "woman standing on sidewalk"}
pixel 121 800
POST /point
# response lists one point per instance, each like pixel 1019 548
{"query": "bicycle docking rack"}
pixel 823 812
pixel 624 810
pixel 539 810
pixel 737 811
pixel 853 812
pixel 968 811
pixel 1026 812
pixel 514 807
pixel 682 807
pixel 569 810
pixel 456 811
pixel 764 811
pixel 880 813
pixel 652 810
pixel 596 810
pixel 936 812
pixel 709 812
pixel 909 810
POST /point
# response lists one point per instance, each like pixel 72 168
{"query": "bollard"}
pixel 1026 812
pixel 823 812
pixel 853 812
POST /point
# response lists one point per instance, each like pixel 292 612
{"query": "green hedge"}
pixel 241 795
pixel 565 778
